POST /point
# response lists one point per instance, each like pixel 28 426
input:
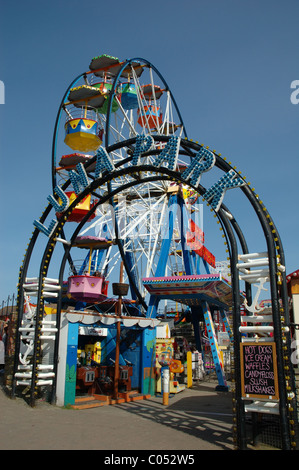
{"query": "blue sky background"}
pixel 229 64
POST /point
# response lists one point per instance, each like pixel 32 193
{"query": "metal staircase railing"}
pixel 36 336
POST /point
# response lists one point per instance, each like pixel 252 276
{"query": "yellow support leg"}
pixel 189 369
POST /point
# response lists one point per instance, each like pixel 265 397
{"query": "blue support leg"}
pixel 132 269
pixel 167 236
pixel 187 256
pixel 196 318
pixel 227 326
pixel 215 349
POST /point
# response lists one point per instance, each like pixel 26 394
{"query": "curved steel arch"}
pixel 223 165
pixel 220 163
pixel 229 225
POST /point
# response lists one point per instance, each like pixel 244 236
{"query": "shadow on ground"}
pixel 207 417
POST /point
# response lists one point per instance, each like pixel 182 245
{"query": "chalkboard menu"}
pixel 259 370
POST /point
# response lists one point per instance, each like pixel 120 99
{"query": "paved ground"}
pixel 195 419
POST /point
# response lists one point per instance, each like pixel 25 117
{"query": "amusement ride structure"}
pixel 126 198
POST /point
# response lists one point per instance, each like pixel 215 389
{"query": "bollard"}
pixel 165 384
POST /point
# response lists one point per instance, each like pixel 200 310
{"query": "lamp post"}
pixel 119 289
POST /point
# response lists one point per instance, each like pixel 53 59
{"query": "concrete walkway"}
pixel 195 419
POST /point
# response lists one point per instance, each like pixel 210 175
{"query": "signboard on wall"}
pixel 92 331
pixel 259 370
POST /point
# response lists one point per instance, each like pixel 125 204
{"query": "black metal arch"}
pixel 229 225
pixel 230 228
pixel 188 145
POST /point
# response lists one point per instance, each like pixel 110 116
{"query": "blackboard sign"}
pixel 259 370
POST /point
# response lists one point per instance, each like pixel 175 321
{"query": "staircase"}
pixel 35 338
pixel 94 401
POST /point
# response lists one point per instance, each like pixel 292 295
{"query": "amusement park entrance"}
pixel 128 199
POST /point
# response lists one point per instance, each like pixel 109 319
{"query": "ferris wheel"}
pixel 112 102
pixel 145 223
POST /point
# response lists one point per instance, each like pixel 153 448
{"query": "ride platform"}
pixel 192 290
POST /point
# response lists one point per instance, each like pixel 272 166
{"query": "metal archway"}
pixel 190 150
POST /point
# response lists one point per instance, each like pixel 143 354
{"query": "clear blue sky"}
pixel 229 64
